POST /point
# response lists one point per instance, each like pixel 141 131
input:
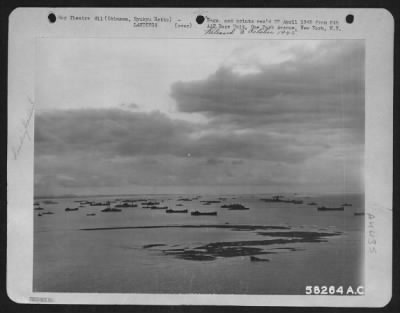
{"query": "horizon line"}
pixel 180 194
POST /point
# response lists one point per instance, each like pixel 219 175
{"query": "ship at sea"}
pixel 323 208
pixel 197 213
pixel 176 211
pixel 279 199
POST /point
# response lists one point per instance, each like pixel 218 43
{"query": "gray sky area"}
pixel 198 116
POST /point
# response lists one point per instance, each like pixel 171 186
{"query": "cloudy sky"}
pixel 198 116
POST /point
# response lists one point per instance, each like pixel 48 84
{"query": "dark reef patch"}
pixel 212 251
pixel 278 235
pixel 153 245
pixel 228 249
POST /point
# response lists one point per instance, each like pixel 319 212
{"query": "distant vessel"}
pixel 71 209
pixel 82 202
pixel 49 213
pixel 312 203
pixel 91 214
pixel 296 201
pixel 176 211
pixel 256 259
pixel 150 203
pixel 111 210
pixel 273 199
pixel 49 202
pixel 156 207
pixel 197 213
pixel 279 199
pixel 99 203
pixel 346 204
pixel 359 213
pixel 208 202
pixel 322 208
pixel 126 205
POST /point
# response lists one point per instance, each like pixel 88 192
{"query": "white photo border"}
pixel 375 26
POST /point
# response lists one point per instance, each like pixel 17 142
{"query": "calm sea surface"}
pixel 113 252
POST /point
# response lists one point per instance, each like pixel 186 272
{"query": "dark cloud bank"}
pixel 116 132
pixel 283 115
pixel 315 89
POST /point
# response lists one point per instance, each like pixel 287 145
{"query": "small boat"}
pixel 149 203
pixel 40 214
pixel 346 204
pixel 280 200
pixel 256 259
pixel 312 203
pixel 179 204
pixel 297 201
pixel 126 205
pixel 111 210
pixel 176 211
pixel 71 209
pixel 273 199
pixel 323 208
pixel 38 209
pixel 91 214
pixel 48 213
pixel 99 203
pixel 157 207
pixel 49 202
pixel 36 203
pixel 197 213
pixel 208 202
pixel 359 214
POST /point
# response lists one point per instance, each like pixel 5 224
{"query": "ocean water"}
pixel 140 250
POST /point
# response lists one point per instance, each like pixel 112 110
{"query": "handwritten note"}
pixel 16 150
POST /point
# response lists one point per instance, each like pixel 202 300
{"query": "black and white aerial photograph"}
pixel 198 166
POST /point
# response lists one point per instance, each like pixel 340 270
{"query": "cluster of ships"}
pixel 145 204
pixel 280 199
pixel 156 205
